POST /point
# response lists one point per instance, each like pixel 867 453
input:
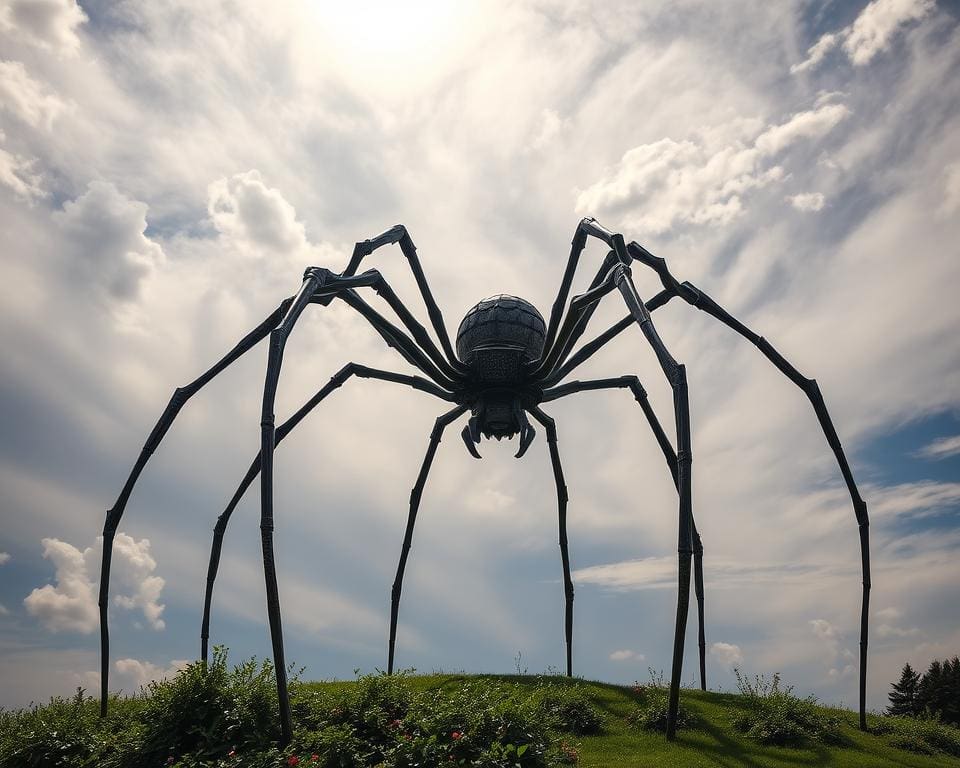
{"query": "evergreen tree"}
pixel 951 709
pixel 928 690
pixel 903 696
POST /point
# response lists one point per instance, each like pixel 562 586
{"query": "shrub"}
pixel 567 708
pixel 58 733
pixel 651 713
pixel 922 735
pixel 774 715
pixel 208 710
pixel 209 716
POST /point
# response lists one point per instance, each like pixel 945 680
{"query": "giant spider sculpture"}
pixel 507 363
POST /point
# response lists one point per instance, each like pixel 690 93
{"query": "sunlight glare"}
pixel 385 44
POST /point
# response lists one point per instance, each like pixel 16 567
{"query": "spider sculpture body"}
pixel 508 362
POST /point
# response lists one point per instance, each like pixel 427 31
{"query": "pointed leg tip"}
pixel 469 442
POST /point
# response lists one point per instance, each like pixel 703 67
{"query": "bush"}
pixel 567 708
pixel 921 735
pixel 209 710
pixel 59 733
pixel 651 713
pixel 774 715
pixel 210 716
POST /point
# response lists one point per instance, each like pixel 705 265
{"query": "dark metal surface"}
pixel 508 362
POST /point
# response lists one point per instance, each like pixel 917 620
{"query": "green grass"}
pixel 712 742
pixel 498 712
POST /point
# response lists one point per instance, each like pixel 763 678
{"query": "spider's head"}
pixel 498 336
pixel 498 413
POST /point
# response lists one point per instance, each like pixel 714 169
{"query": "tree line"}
pixel 934 693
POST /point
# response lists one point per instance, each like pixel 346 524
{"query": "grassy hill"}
pixel 217 717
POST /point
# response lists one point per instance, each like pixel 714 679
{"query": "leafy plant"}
pixel 568 708
pixel 651 713
pixel 209 710
pixel 774 715
pixel 921 735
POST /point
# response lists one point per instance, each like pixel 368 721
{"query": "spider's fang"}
pixel 473 424
pixel 526 437
pixel 469 442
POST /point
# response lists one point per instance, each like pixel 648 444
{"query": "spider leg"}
pixel 588 349
pixel 278 339
pixel 640 394
pixel 374 279
pixel 586 227
pixel 338 380
pixel 676 374
pixel 558 346
pixel 398 234
pixel 693 295
pixel 180 396
pixel 439 426
pixel 581 307
pixel 394 337
pixel 428 358
pixel 551 428
pixel 618 277
pixel 316 282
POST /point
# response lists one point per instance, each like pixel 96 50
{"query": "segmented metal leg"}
pixel 278 339
pixel 677 376
pixel 693 295
pixel 439 426
pixel 640 394
pixel 180 396
pixel 338 379
pixel 398 234
pixel 551 428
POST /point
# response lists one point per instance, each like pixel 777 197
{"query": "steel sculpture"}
pixel 508 362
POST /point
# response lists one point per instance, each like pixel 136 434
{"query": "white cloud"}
pixel 626 655
pixel 889 613
pixel 727 654
pixel 811 124
pixel 837 657
pixel 70 605
pixel 134 570
pixel 4 557
pixel 941 448
pixel 871 32
pixel 823 629
pixel 48 23
pixel 807 201
pixel 877 24
pixel 660 186
pixel 23 96
pixel 133 674
pixel 108 247
pixel 550 126
pixel 816 53
pixel 16 174
pixel 951 190
pixel 245 209
pixel 913 500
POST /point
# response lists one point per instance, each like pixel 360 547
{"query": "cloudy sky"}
pixel 168 169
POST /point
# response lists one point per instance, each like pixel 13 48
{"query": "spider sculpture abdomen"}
pixel 499 335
